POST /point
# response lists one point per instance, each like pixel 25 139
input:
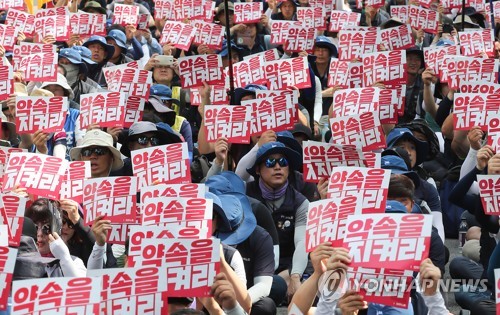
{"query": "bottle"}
pixel 462 230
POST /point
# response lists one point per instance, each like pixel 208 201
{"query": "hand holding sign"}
pixel 483 156
pixel 321 253
pixel 100 229
pixel 429 277
pixel 351 302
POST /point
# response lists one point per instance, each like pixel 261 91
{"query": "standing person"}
pixel 271 169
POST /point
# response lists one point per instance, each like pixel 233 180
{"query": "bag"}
pixel 199 168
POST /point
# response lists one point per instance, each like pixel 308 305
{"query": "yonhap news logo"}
pixel 333 284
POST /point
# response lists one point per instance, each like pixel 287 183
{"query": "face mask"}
pixel 72 72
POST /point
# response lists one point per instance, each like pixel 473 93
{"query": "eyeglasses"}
pixel 68 223
pixel 271 162
pixel 143 140
pixel 99 151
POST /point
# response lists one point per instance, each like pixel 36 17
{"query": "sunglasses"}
pixel 271 162
pixel 99 151
pixel 143 140
pixel 68 223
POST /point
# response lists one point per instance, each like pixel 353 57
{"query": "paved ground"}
pixel 452 245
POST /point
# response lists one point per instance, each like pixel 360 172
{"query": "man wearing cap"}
pixel 102 52
pixel 118 40
pixel 220 15
pixel 97 147
pixel 75 68
pixel 160 103
pixel 287 10
pixel 271 169
pixel 224 53
pixel 141 135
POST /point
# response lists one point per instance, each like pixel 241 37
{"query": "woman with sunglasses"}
pixel 97 147
pixel 273 164
pixel 46 215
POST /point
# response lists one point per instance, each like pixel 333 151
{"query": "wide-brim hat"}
pixel 236 216
pixel 74 57
pixel 270 148
pixel 294 2
pixel 466 20
pixel 398 134
pixel 287 138
pixel 119 37
pixel 62 82
pixel 225 182
pixel 94 5
pixel 96 39
pixel 141 127
pixel 325 42
pixel 101 139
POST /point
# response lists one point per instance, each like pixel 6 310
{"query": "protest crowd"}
pixel 211 157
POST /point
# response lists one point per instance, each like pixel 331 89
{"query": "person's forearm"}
pixel 469 163
pixel 215 169
pixel 458 194
pixel 305 295
pixel 460 144
pixel 240 290
pixel 435 303
pixel 443 110
pixel 430 105
pixel 96 259
pixel 137 52
pixel 261 288
pixel 299 260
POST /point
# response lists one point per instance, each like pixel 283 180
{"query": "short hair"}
pixel 400 186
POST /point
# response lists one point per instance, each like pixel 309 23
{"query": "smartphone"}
pixel 165 60
pixel 56 220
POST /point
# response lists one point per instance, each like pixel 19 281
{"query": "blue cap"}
pixel 164 92
pixel 398 134
pixel 72 55
pixel 119 37
pixel 325 42
pixel 85 54
pixel 398 166
pixel 270 148
pixel 250 89
pixel 225 182
pixel 393 206
pixel 96 39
